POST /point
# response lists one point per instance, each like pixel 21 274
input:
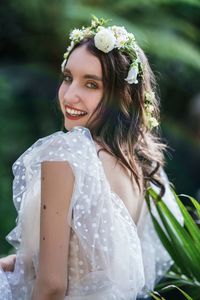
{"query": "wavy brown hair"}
pixel 119 122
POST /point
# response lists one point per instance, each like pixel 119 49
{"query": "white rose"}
pixel 105 40
pixel 132 74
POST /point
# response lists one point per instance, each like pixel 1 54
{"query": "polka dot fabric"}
pixel 106 252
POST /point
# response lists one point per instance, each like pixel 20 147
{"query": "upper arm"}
pixel 57 181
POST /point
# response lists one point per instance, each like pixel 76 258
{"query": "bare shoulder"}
pixel 110 164
pixel 121 182
pixel 105 157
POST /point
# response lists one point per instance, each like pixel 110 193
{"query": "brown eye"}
pixel 91 85
pixel 67 78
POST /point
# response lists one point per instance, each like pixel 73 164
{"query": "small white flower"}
pixel 66 55
pixel 105 40
pixel 119 31
pixel 76 34
pixel 131 37
pixel 63 65
pixel 149 96
pixel 152 122
pixel 94 23
pixel 121 35
pixel 133 73
pixel 149 108
pixel 121 41
pixel 87 32
pixel 71 46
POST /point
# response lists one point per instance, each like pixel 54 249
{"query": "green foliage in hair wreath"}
pixel 108 38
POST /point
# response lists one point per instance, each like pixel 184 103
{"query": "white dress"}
pixel 110 257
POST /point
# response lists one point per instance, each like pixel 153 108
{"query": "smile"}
pixel 73 113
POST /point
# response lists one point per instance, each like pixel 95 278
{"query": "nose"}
pixel 71 94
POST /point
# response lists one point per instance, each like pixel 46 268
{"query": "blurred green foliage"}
pixel 34 36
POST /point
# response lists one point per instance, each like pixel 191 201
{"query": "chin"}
pixel 70 126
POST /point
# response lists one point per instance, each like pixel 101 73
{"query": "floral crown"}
pixel 108 38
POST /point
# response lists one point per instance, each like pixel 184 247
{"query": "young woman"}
pixel 84 231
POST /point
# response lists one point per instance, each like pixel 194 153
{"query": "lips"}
pixel 73 117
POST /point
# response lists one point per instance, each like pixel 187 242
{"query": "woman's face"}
pixel 82 87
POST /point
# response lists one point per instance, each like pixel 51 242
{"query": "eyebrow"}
pixel 87 76
pixel 91 76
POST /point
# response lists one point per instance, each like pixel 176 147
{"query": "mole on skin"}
pixel 44 206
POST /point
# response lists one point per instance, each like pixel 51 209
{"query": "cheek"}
pixel 95 100
pixel 61 95
pixel 60 92
pixel 98 99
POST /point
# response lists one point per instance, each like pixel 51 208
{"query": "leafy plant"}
pixel 157 296
pixel 181 242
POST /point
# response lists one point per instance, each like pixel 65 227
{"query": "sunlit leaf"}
pixel 194 202
pixel 169 246
pixel 156 295
pixel 176 287
pixel 180 238
pixel 189 222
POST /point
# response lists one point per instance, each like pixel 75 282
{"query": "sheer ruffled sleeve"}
pixel 105 259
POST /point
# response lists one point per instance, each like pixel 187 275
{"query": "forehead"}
pixel 83 61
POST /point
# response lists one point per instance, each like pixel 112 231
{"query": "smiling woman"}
pixel 83 230
pixel 82 87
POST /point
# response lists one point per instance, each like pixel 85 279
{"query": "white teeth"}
pixel 74 112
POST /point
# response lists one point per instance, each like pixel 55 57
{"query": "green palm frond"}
pixel 181 242
pixel 182 292
pixel 157 296
pixel 195 204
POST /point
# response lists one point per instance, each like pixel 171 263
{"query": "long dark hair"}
pixel 119 122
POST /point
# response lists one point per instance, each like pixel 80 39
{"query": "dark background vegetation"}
pixel 34 36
